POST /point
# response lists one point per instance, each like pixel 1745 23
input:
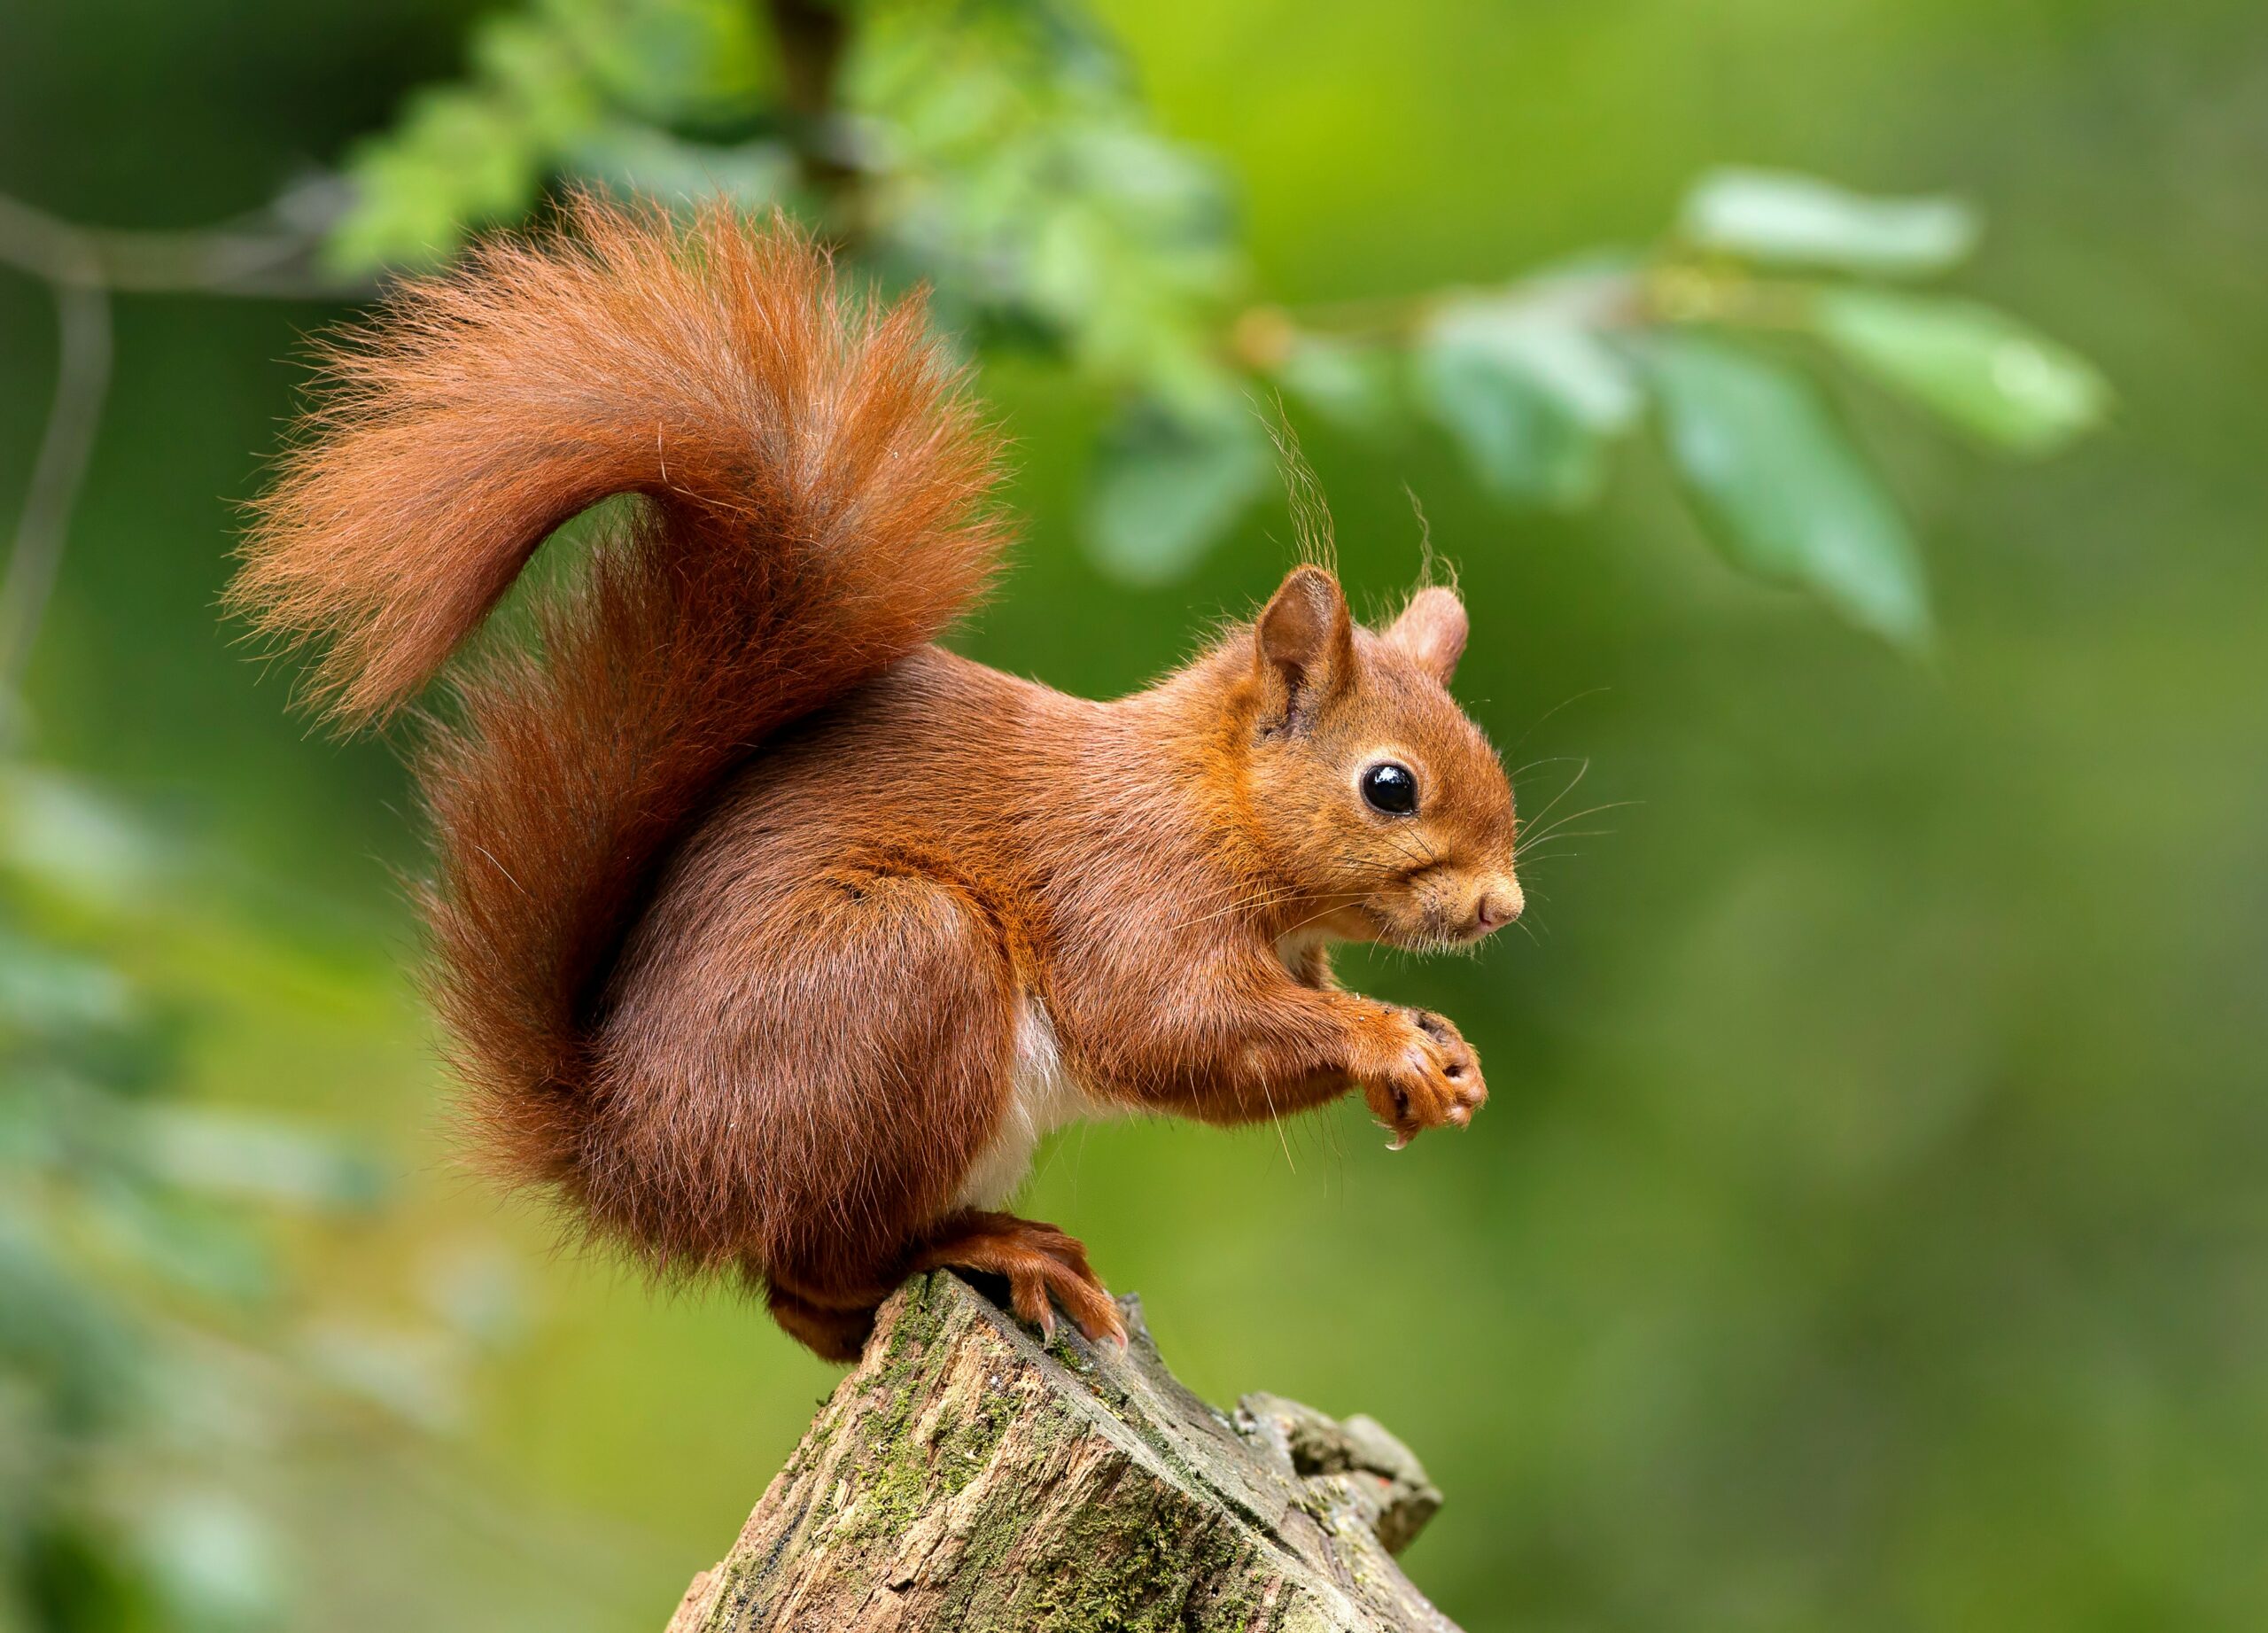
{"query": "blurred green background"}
pixel 1866 1228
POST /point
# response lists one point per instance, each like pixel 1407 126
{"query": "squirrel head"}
pixel 1373 795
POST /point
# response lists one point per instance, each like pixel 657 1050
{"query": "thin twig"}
pixel 83 266
pixel 249 257
pixel 82 382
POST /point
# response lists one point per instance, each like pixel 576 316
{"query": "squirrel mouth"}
pixel 1426 932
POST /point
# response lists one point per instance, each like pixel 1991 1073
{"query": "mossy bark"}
pixel 963 1478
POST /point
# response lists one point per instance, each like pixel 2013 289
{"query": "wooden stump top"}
pixel 964 1477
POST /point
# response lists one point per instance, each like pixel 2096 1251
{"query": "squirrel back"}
pixel 809 486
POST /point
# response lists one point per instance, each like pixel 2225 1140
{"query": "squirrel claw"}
pixel 1434 1081
pixel 1043 1268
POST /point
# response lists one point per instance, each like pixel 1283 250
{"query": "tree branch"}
pixel 81 382
pixel 812 36
pixel 260 256
pixel 83 268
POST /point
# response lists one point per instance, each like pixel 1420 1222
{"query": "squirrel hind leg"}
pixel 831 1334
pixel 809 1142
pixel 1042 1266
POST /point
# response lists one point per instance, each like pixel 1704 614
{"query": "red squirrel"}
pixel 768 935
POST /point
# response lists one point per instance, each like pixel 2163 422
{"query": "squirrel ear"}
pixel 1306 642
pixel 1431 631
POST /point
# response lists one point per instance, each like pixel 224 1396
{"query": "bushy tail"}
pixel 811 486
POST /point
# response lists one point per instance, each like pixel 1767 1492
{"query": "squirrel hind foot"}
pixel 1043 1267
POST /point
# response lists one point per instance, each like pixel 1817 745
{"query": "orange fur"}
pixel 758 920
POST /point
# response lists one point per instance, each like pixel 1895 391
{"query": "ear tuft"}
pixel 1431 631
pixel 1306 641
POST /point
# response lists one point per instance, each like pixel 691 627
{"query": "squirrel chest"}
pixel 1042 1096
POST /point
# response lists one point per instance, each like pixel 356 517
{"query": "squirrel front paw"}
pixel 1428 1077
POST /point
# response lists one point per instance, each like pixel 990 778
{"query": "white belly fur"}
pixel 1043 1097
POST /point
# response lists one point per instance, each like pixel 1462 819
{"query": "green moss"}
pixel 1132 1568
pixel 898 1474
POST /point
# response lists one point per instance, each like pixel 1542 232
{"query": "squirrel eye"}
pixel 1391 789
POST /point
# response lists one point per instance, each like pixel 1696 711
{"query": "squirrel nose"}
pixel 1499 904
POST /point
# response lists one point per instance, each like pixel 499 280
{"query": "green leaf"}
pixel 1350 386
pixel 73 841
pixel 213 1561
pixel 1017 173
pixel 1798 220
pixel 460 161
pixel 47 992
pixel 1167 484
pixel 236 1155
pixel 76 1347
pixel 673 61
pixel 203 1248
pixel 1974 366
pixel 1530 397
pixel 1780 489
pixel 535 71
pixel 639 160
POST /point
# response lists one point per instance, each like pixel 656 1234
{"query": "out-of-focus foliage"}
pixel 995 150
pixel 159 1369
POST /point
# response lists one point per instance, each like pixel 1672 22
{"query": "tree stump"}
pixel 963 1477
